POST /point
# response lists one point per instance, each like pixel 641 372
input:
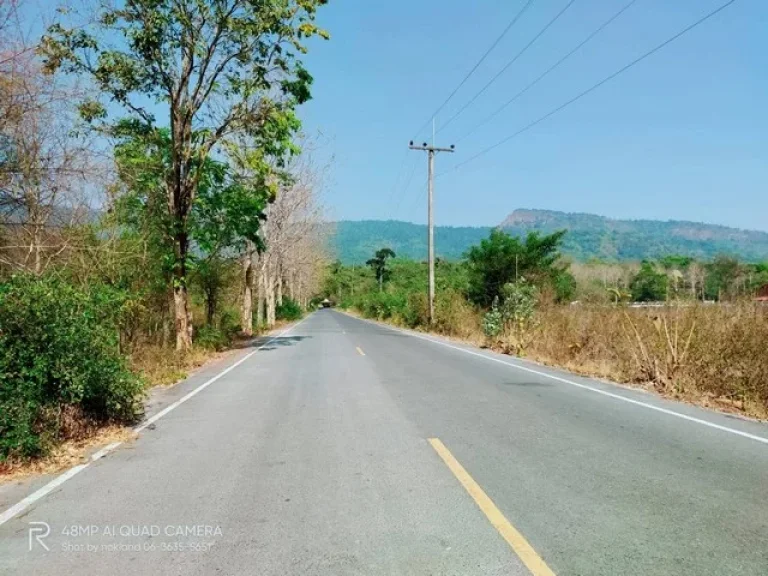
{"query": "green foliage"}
pixel 518 311
pixel 188 53
pixel 227 208
pixel 379 265
pixel 58 352
pixel 501 259
pixel 289 310
pixel 354 242
pixel 722 274
pixel 564 286
pixel 493 320
pixel 648 285
pixel 588 237
pixel 383 305
pixel 213 275
pixel 222 69
pixel 675 262
pixel 213 337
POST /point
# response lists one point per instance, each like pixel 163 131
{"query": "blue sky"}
pixel 682 135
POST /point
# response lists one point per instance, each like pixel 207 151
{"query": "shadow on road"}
pixel 277 342
pixel 529 384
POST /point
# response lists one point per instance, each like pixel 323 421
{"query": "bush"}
pixel 212 338
pixel 383 305
pixel 648 285
pixel 288 310
pixel 493 321
pixel 59 356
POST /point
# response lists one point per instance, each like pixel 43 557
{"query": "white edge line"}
pixel 18 508
pixel 572 383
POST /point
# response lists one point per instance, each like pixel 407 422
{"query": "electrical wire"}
pixel 595 86
pixel 507 65
pixel 597 31
pixel 495 43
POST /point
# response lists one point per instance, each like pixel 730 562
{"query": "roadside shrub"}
pixel 289 310
pixel 454 315
pixel 212 338
pixel 383 305
pixel 59 356
pixel 493 321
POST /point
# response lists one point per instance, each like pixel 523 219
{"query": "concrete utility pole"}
pixel 431 150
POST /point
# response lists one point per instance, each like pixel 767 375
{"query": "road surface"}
pixel 345 447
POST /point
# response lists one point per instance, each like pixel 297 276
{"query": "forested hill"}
pixel 589 236
pixel 354 242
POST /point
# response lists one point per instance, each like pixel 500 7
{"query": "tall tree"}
pixel 45 169
pixel 648 285
pixel 722 275
pixel 501 259
pixel 218 66
pixel 227 213
pixel 379 265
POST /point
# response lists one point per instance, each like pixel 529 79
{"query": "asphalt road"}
pixel 312 456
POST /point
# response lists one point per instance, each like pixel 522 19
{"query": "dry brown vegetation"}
pixel 713 355
pixel 66 455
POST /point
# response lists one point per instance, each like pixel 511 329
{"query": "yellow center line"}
pixel 359 351
pixel 516 541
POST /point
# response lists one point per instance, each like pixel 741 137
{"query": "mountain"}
pixel 589 236
pixel 354 242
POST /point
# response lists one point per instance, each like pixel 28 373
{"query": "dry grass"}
pixel 163 366
pixel 712 355
pixel 66 455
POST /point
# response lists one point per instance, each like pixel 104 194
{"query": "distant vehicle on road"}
pixel 326 303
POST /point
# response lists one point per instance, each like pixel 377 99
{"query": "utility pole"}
pixel 431 150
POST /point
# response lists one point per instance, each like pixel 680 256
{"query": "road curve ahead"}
pixel 349 448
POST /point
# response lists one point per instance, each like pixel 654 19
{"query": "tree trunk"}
pixel 182 313
pixel 279 281
pixel 292 285
pixel 210 306
pixel 270 297
pixel 260 296
pixel 38 260
pixel 246 307
pixel 183 324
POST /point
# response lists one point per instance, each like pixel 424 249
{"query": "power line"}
pixel 508 64
pixel 456 89
pixel 406 187
pixel 596 86
pixel 597 31
pixel 397 178
pixel 476 66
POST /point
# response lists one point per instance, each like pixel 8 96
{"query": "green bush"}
pixel 383 305
pixel 212 338
pixel 59 356
pixel 288 310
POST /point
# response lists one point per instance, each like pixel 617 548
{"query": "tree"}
pixel 213 275
pixel 722 274
pixel 293 235
pixel 648 285
pixel 501 259
pixel 227 213
pixel 379 265
pixel 219 66
pixel 44 168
